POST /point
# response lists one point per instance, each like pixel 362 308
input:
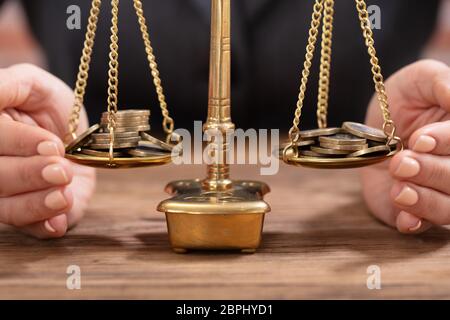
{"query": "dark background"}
pixel 269 39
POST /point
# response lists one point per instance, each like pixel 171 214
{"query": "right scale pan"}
pixel 353 145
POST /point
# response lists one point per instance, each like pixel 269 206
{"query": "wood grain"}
pixel 318 242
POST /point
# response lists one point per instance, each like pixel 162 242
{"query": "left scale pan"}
pixel 122 138
pixel 150 154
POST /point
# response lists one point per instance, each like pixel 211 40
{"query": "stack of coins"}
pixel 129 125
pixel 353 140
pixel 131 138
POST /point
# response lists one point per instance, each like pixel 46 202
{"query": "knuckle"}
pixel 3 183
pixel 26 173
pixel 4 213
pixel 27 67
pixel 433 208
pixel 32 208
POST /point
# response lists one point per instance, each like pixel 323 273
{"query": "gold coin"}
pixel 363 131
pixel 130 117
pixel 82 139
pixel 147 137
pixel 146 152
pixel 308 134
pixel 120 135
pixel 126 120
pixel 117 140
pixel 300 144
pixel 126 125
pixel 343 139
pixel 105 146
pixel 100 154
pixel 330 152
pixel 371 151
pixel 129 113
pixel 130 129
pixel 312 154
pixel 344 147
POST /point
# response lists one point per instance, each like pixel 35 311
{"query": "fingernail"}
pixel 408 168
pixel 49 227
pixel 48 148
pixel 56 201
pixel 425 144
pixel 55 174
pixel 417 227
pixel 407 197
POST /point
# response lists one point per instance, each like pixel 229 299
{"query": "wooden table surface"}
pixel 319 241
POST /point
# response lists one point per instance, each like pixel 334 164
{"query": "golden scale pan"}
pixel 157 152
pixel 384 143
pixel 218 213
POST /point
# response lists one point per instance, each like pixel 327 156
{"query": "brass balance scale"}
pixel 218 213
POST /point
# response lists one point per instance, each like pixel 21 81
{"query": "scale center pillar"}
pixel 217 213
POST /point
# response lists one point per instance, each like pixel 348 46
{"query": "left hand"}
pixel 412 191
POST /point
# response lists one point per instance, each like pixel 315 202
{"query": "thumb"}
pixel 425 83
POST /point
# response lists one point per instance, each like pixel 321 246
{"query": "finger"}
pixel 426 82
pixel 422 202
pixel 410 224
pixel 18 139
pixel 29 208
pixel 21 175
pixel 433 138
pixel 49 229
pixel 422 169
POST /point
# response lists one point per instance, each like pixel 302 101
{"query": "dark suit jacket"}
pixel 268 43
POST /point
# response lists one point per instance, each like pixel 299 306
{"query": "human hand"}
pixel 412 191
pixel 41 193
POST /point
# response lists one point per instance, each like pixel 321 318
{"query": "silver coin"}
pixel 130 129
pixel 363 131
pixel 344 147
pixel 308 134
pixel 129 113
pixel 100 154
pixel 371 151
pixel 118 140
pixel 331 152
pixel 105 146
pixel 82 139
pixel 145 152
pixel 147 137
pixel 343 139
pixel 312 154
pixel 121 135
pixel 126 120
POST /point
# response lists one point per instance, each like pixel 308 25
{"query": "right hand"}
pixel 41 193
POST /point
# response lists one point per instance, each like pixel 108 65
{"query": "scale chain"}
pixel 325 64
pixel 322 110
pixel 168 123
pixel 294 133
pixel 83 70
pixel 389 125
pixel 113 76
pixel 83 73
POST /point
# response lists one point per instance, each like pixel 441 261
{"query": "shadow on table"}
pixel 358 232
pixel 26 250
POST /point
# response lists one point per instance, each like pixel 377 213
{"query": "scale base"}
pixel 210 220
